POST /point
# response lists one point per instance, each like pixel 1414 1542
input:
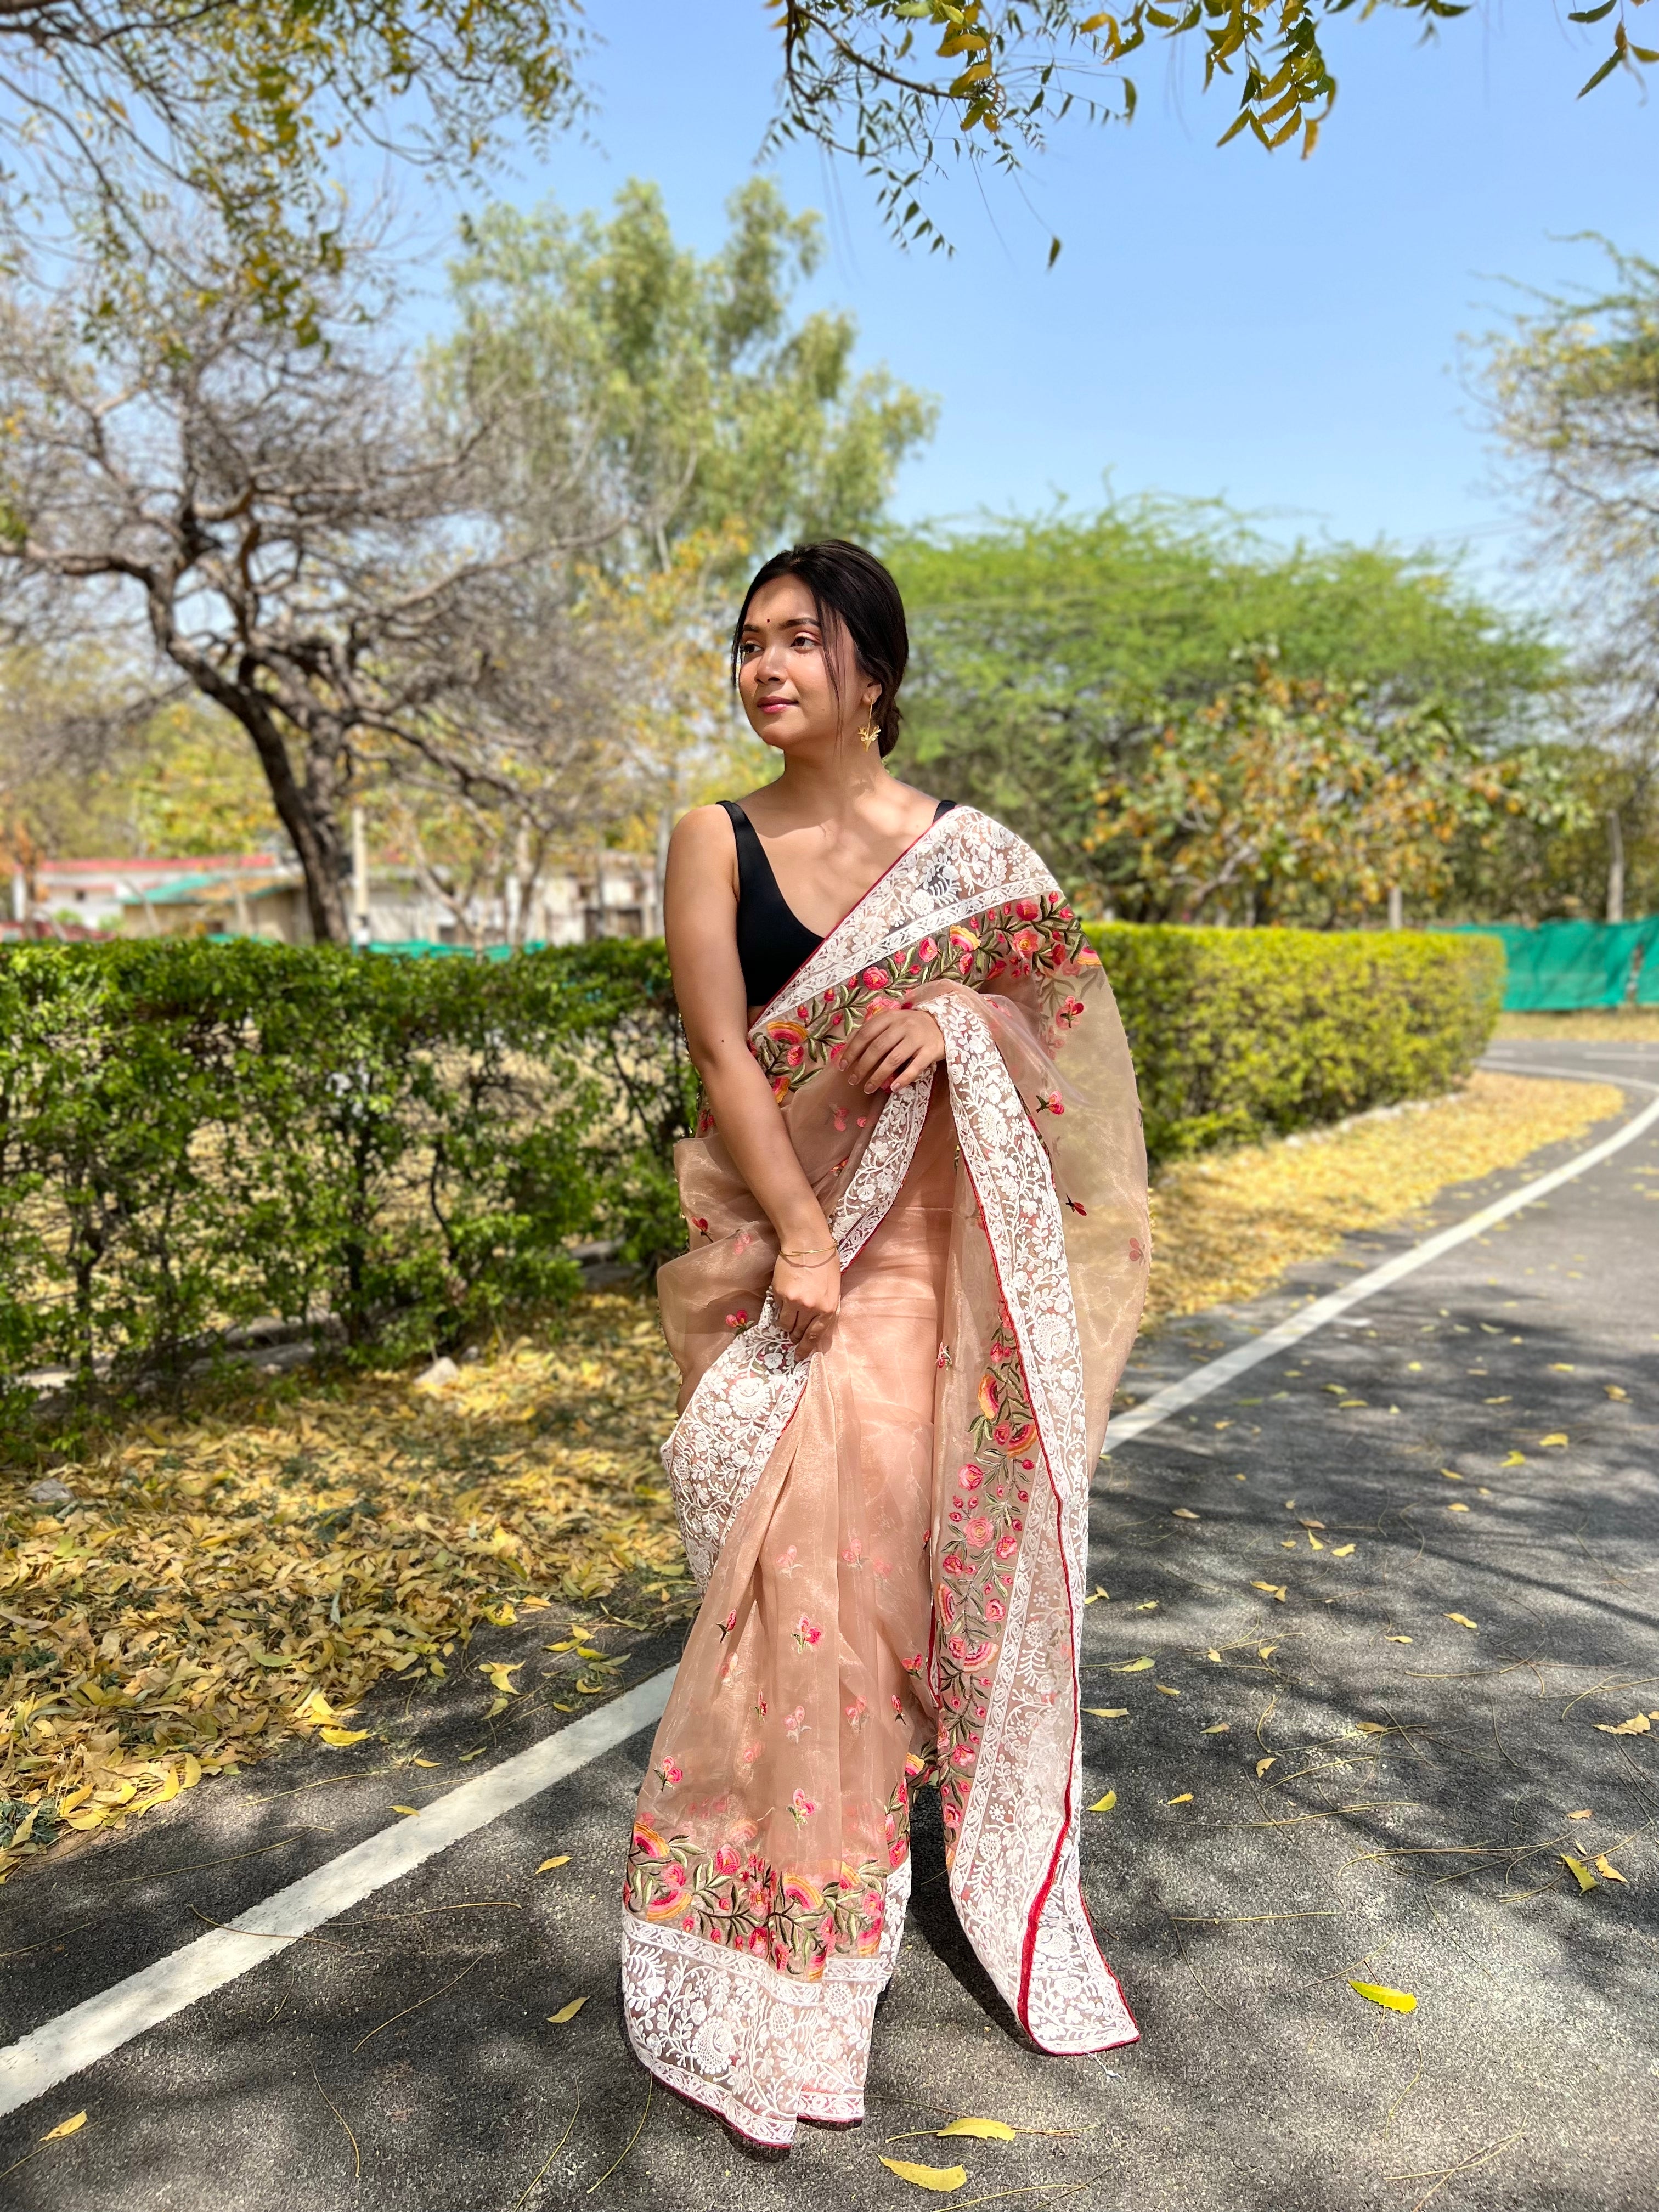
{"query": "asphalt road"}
pixel 1423 1780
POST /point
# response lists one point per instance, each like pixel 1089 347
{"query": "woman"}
pixel 917 1205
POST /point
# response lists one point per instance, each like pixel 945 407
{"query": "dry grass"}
pixel 1227 1228
pixel 251 1570
pixel 1625 1024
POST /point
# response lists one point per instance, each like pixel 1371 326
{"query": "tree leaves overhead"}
pixel 908 88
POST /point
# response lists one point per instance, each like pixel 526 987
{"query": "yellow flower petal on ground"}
pixel 1274 1590
pixel 410 1811
pixel 1165 1690
pixel 566 2012
pixel 1104 1804
pixel 1380 1994
pixel 548 1865
pixel 1580 1873
pixel 1185 1798
pixel 1515 1459
pixel 1638 1725
pixel 1462 1618
pixel 1217 1728
pixel 1108 1712
pixel 986 2131
pixel 1606 1868
pixel 1262 1764
pixel 1544 1443
pixel 941 2178
pixel 1182 1513
pixel 1342 1552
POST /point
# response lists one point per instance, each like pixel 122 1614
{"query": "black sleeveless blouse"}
pixel 773 942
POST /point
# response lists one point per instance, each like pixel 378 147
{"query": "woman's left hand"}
pixel 892 1049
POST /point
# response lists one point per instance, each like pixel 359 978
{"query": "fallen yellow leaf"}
pixel 1452 1476
pixel 1398 1640
pixel 1558 1438
pixel 192 1773
pixel 1133 1667
pixel 408 1810
pixel 1561 1367
pixel 1638 1725
pixel 1185 1798
pixel 1266 1651
pixel 1342 1551
pixel 1274 1590
pixel 1096 1595
pixel 1182 1513
pixel 1262 1764
pixel 986 2131
pixel 566 2012
pixel 1380 1994
pixel 1462 1618
pixel 1164 1691
pixel 1217 1728
pixel 1613 1391
pixel 941 2178
pixel 64 2128
pixel 1585 1816
pixel 496 1705
pixel 1104 1804
pixel 340 1737
pixel 497 1670
pixel 1372 1727
pixel 1215 1655
pixel 1606 1868
pixel 425 1762
pixel 1457 1506
pixel 1108 1712
pixel 548 1865
pixel 1515 1459
pixel 1580 1873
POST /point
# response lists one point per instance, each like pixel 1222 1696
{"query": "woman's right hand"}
pixel 808 1297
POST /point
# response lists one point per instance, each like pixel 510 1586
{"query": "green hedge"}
pixel 194 1135
pixel 1239 1034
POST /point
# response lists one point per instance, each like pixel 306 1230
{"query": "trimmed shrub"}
pixel 1240 1034
pixel 195 1135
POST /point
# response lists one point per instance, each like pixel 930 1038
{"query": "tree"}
pixel 1573 387
pixel 304 544
pixel 1290 799
pixel 1047 653
pixel 680 383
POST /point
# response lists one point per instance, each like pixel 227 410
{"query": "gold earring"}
pixel 867 737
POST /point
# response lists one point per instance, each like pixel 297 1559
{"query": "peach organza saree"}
pixel 892 1535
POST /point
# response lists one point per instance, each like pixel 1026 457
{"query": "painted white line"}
pixel 1175 1397
pixel 91 2031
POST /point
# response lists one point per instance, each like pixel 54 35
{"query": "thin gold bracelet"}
pixel 816 1259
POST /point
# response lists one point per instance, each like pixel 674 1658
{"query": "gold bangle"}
pixel 810 1259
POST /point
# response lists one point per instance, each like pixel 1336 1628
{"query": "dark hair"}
pixel 851 584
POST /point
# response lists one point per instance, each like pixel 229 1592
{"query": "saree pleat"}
pixel 892 1535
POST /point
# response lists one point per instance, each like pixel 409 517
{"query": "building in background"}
pixel 263 895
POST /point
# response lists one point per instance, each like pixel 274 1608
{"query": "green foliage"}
pixel 1243 1034
pixel 194 1135
pixel 1048 652
pixel 682 382
pixel 1289 799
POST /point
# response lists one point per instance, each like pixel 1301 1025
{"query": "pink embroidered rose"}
pixel 795 1724
pixel 978 1531
pixel 1025 942
pixel 1027 909
pixel 994 1609
pixel 913 1665
pixel 1007 1546
pixel 954 1564
pixel 738 1318
pixel 801 1808
pixel 726 1861
pixel 897 1704
pixel 698 1223
pixel 874 979
pixel 970 1475
pixel 964 1756
pixel 671 1774
pixel 927 950
pixel 857 1713
pixel 990 1396
pixel 751 1751
pixel 806 1633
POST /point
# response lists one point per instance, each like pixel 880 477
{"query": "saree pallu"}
pixel 892 1535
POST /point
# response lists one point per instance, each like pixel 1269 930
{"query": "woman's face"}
pixel 785 666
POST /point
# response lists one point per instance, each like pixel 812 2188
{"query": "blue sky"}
pixel 1285 333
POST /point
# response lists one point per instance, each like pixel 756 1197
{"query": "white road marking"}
pixel 78 2038
pixel 1175 1397
pixel 91 2031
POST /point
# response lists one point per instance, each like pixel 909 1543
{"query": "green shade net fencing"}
pixel 1559 967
